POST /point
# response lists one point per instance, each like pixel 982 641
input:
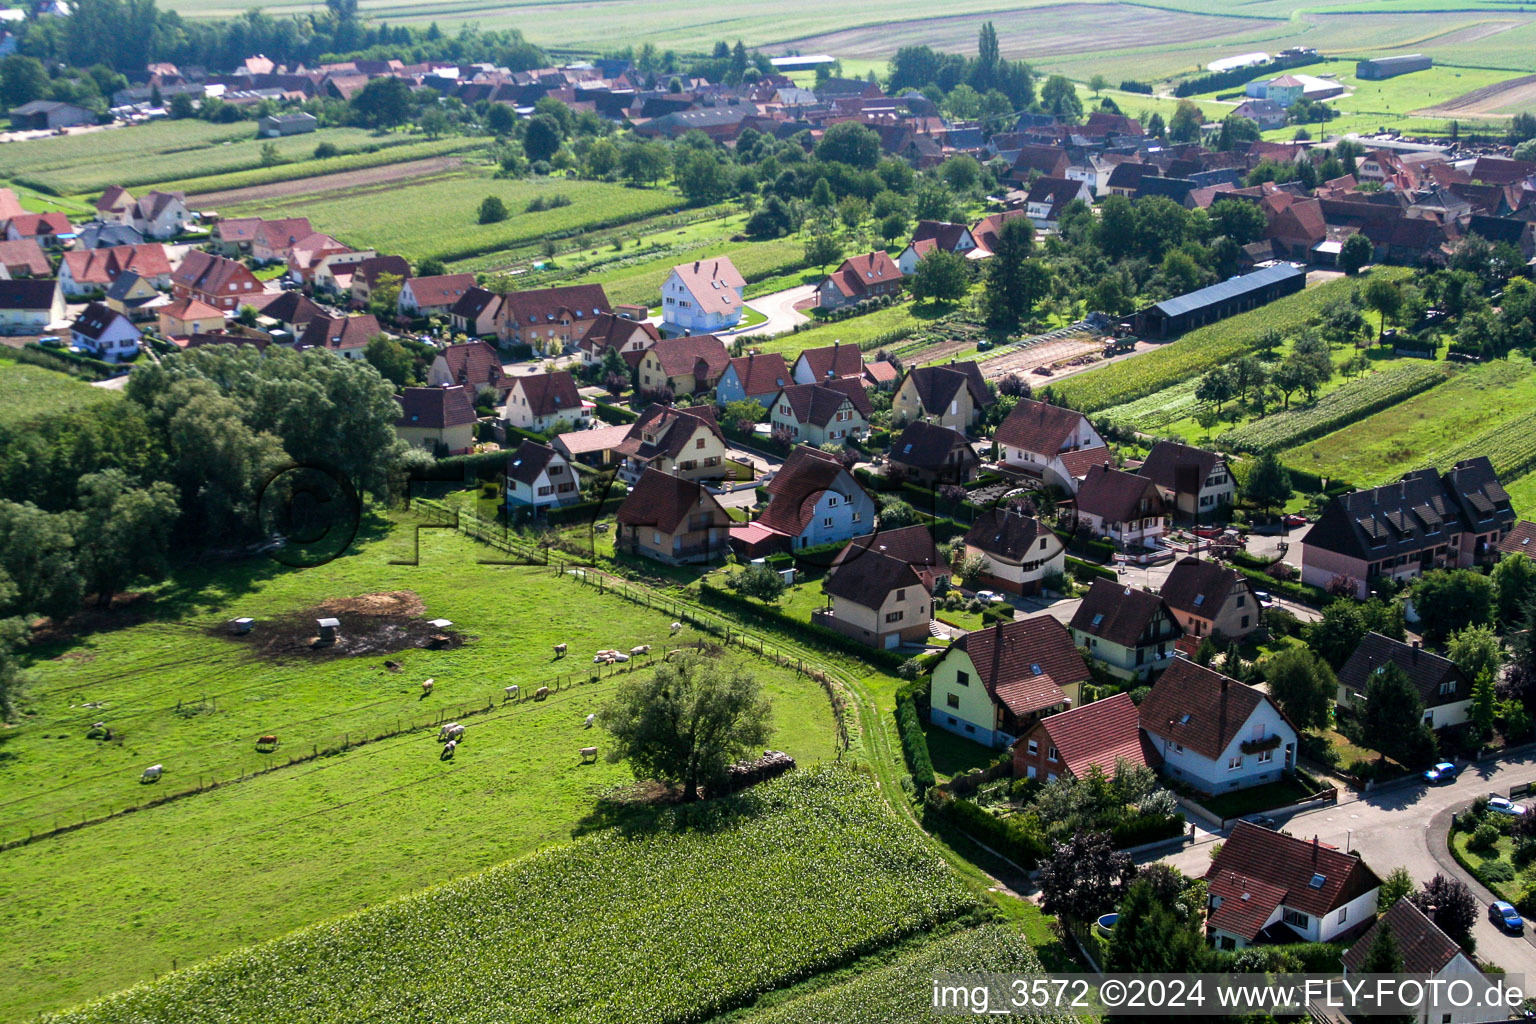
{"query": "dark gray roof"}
pixel 1425 670
pixel 1226 290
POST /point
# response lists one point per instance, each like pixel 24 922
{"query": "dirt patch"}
pixel 371 624
pixel 1503 99
pixel 130 609
pixel 383 174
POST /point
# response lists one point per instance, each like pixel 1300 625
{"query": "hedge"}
pixel 1303 592
pixel 70 362
pixel 1087 572
pixel 1085 545
pixel 1146 828
pixel 772 617
pixel 615 415
pixel 584 510
pixel 1020 843
pixel 914 743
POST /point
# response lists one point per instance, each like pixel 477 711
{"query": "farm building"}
pixel 47 115
pixel 1390 67
pixel 1219 301
pixel 297 123
pixel 1242 60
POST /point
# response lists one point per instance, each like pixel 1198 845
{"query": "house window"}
pixel 963 678
pixel 831 501
pixel 1234 763
pixel 1029 772
pixel 699 443
pixel 901 595
pixel 1343 914
pixel 1447 687
pixel 1034 747
pixel 1265 756
pixel 546 490
pixel 952 699
pixel 1051 755
pixel 1296 919
pixel 894 616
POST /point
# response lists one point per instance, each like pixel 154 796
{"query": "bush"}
pixel 1496 871
pixel 1526 901
pixel 492 210
pixel 1137 829
pixel 1485 837
pixel 914 743
pixel 1019 838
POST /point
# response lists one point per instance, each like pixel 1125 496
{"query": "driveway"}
pixel 779 308
pixel 1400 825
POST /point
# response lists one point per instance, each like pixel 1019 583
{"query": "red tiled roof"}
pixel 858 274
pixel 835 360
pixel 799 483
pixel 339 332
pixel 663 501
pixel 474 363
pixel 1078 463
pixel 1292 865
pixel 24 255
pixel 869 579
pixel 761 373
pixel 1117 496
pixel 1038 426
pixel 1198 707
pixel 440 289
pixel 680 356
pixel 545 305
pixel 818 403
pixel 1424 947
pixel 549 394
pixel 190 309
pixel 1246 903
pixel 1099 734
pixel 1024 664
pixel 1521 539
pixel 1117 613
pixel 714 284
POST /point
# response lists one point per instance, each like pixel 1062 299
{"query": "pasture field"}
pixel 1479 411
pixel 27 391
pixel 724 900
pixel 439 216
pixel 1522 494
pixel 322 837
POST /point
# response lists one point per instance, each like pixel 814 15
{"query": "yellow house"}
pixel 186 317
pixel 992 685
pixel 685 365
pixel 683 442
pixel 878 600
pixel 952 396
pixel 440 420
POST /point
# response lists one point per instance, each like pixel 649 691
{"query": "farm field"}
pixel 27 390
pixel 898 321
pixel 311 176
pixel 439 216
pixel 725 901
pixel 327 836
pixel 1479 411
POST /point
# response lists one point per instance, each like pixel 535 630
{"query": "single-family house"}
pixel 93 270
pixel 755 377
pixel 702 297
pixel 828 363
pixel 1444 690
pixel 1209 598
pixel 681 441
pixel 549 319
pixel 1215 733
pixel 1123 507
pixel 881 375
pixel 597 446
pixel 822 413
pixel 1020 551
pixel 672 519
pixel 1069 744
pixel 160 215
pixel 932 454
pixel 1520 540
pixel 1266 113
pixel 290 310
pixel 993 684
pixel 439 419
pixel 221 282
pixel 369 273
pixel 473 364
pixel 1048 444
pixel 273 240
pixel 31 305
pixel 24 258
pixel 912 544
pixel 629 338
pixel 814 500
pixel 96 235
pixel 860 277
pixel 1264 885
pixel 1048 197
pixel 932 235
pixel 542 401
pixel 114 205
pixel 347 336
pixel 878 600
pixel 135 298
pixel 1426 951
pixel 684 365
pixel 186 317
pixel 105 333
pixel 954 395
pixel 1427 520
pixel 47 229
pixel 1194 482
pixel 433 296
pixel 232 236
pixel 985 231
pixel 476 313
pixel 539 477
pixel 1132 631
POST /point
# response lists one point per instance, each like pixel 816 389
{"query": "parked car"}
pixel 1505 916
pixel 1442 772
pixel 990 596
pixel 1208 532
pixel 1503 805
pixel 1295 519
pixel 1264 598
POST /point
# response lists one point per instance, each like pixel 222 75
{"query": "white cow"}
pixel 590 719
pixel 642 649
pixel 512 692
pixel 450 731
pixel 449 748
pixel 426 687
pixel 152 773
pixel 589 752
pixel 560 650
pixel 677 627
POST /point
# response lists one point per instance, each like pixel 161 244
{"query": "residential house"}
pixel 347 336
pixel 49 229
pixel 476 313
pixel 105 333
pixel 232 236
pixel 115 205
pixel 1124 507
pixel 473 364
pixel 30 306
pixel 822 413
pixel 1426 951
pixel 860 277
pixel 543 401
pixel 290 311
pixel 930 454
pixel 134 297
pixel 539 477
pixel 1215 733
pixel 881 375
pixel 954 395
pixel 323 265
pixel 1520 540
pixel 932 235
pixel 1132 631
pixel 1070 744
pixel 672 519
pixel 1266 886
pixel 598 446
pixel 439 419
pixel 755 377
pixel 993 684
pixel 1266 113
pixel 1034 161
pixel 878 600
pixel 160 215
pixel 1194 482
pixel 24 258
pixel 186 317
pixel 814 500
pixel 216 280
pixel 368 274
pixel 433 296
pixel 684 365
pixel 629 338
pixel 985 231
pixel 702 296
pixel 1424 521
pixel 549 319
pixel 1020 551
pixel 274 239
pixel 1209 598
pixel 912 544
pixel 1048 197
pixel 93 270
pixel 828 363
pixel 1444 690
pixel 1048 444
pixel 680 441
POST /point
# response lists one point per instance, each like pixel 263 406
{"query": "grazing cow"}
pixel 426 687
pixel 677 627
pixel 448 749
pixel 267 743
pixel 590 719
pixel 588 754
pixel 152 773
pixel 541 693
pixel 450 731
pixel 618 657
pixel 642 649
pixel 513 692
pixel 559 650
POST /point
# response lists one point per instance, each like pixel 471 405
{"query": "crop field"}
pixel 1486 405
pixel 311 176
pixel 439 216
pixel 725 901
pixel 896 322
pixel 322 837
pixel 1502 99
pixel 1351 401
pixel 27 391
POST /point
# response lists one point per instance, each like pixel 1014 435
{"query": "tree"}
pixel 1449 600
pixel 822 196
pixel 1269 483
pixel 1058 96
pixel 1152 936
pixel 492 210
pixel 129 534
pixel 1084 877
pixel 1450 904
pixel 1185 124
pixel 822 248
pixel 500 120
pixel 1355 253
pixel 1098 83
pixel 1485 705
pixel 1240 221
pixel 1236 131
pixel 852 211
pixel 851 143
pixel 269 155
pixel 941 276
pixel 961 173
pixel 12 678
pixel 38 561
pixel 770 220
pixel 642 163
pixel 1393 719
pixel 1514 584
pixel 384 297
pixel 431 266
pixel 1216 387
pixel 1116 231
pixel 1383 955
pixel 434 123
pixel 759 581
pixel 391 359
pixel 688 722
pixel 383 102
pixel 1383 297
pixel 1397 884
pixel 541 137
pixel 22 80
pixel 895 513
pixel 1336 635
pixel 1302 684
pixel 1475 650
pixel 1015 283
pixel 1291 376
pixel 701 177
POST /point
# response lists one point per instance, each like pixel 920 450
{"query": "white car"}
pixel 990 596
pixel 1504 805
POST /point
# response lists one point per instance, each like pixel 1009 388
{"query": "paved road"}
pixel 1399 826
pixel 779 308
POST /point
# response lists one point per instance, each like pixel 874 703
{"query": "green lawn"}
pixel 1500 853
pixel 1257 799
pixel 903 320
pixel 27 390
pixel 200 876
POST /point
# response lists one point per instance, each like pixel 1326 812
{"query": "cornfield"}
pixel 1339 408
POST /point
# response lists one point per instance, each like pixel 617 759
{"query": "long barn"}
pixel 1218 301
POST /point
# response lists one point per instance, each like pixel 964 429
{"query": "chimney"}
pixel 1314 848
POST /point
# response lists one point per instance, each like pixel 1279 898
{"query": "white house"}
pixel 1428 951
pixel 1049 444
pixel 105 333
pixel 1020 550
pixel 30 305
pixel 702 297
pixel 1123 507
pixel 160 215
pixel 1444 690
pixel 541 401
pixel 539 477
pixel 1215 733
pixel 1193 481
